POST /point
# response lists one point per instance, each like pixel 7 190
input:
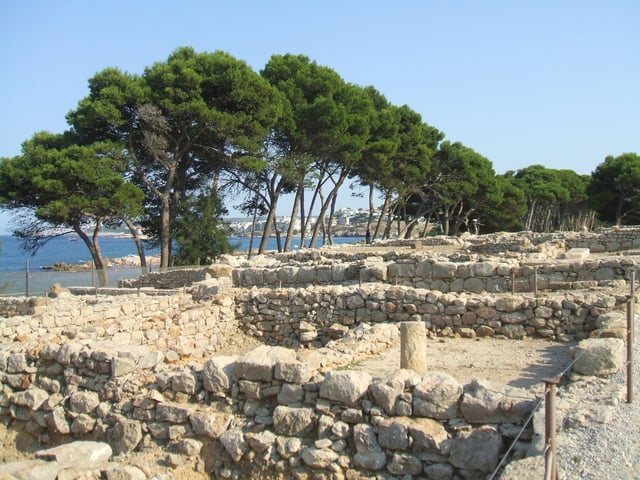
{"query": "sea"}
pixel 22 273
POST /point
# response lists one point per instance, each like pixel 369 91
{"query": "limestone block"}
pixel 306 275
pixel 124 472
pixel 83 402
pixel 189 447
pixel 474 284
pixel 185 382
pixel 508 303
pixel 599 356
pixel 386 395
pixel 393 433
pixel 218 373
pixel 172 413
pixel 576 253
pixel 18 363
pixel 88 454
pixel 515 331
pixel 369 454
pixel 439 471
pixel 287 447
pixel 57 421
pixel 484 269
pixel 610 320
pixel 437 396
pixel 442 270
pixel 407 270
pixel 292 372
pixel 346 386
pixel 259 364
pixel 125 435
pixel 478 449
pixel 210 423
pixel 293 421
pixel 261 441
pixel 483 403
pixel 30 469
pixel 82 424
pixel 318 457
pixel 405 464
pixel 428 435
pixel 33 398
pixel 234 443
pixel 290 393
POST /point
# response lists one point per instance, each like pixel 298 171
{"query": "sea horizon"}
pixel 21 272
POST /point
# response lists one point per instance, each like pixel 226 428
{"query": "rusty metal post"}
pixel 551 463
pixel 630 334
pixel 513 281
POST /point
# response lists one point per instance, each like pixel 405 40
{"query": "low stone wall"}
pixel 171 279
pixel 265 414
pixel 523 262
pixel 174 324
pixel 12 307
pixel 295 317
pixel 315 315
pixel 420 271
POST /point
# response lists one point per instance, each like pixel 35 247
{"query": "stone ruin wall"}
pixel 266 414
pixel 113 369
pixel 519 263
pixel 295 317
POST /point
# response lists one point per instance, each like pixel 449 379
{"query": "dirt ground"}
pixel 511 363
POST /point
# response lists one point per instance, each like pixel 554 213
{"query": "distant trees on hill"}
pixel 173 147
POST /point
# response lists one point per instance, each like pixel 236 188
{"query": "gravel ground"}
pixel 609 448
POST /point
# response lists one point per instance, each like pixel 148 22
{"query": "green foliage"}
pixel 556 199
pixel 200 234
pixel 68 185
pixel 505 215
pixel 614 189
pixel 182 122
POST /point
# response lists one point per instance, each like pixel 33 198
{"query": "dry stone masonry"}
pixel 116 374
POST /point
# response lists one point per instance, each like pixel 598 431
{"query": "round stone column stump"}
pixel 413 346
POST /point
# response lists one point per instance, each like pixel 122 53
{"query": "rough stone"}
pixel 259 364
pixel 346 386
pixel 218 373
pixel 437 396
pixel 210 423
pixel 477 449
pixel 599 356
pixel 125 435
pixel 293 421
pixel 483 403
pixel 234 443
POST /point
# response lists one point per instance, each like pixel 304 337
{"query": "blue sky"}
pixel 521 82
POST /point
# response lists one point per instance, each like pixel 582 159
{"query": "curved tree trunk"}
pixel 292 220
pixel 93 244
pixel 139 245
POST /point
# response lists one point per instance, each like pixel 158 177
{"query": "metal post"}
pixel 513 281
pixel 551 463
pixel 535 280
pixel 630 335
pixel 27 279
